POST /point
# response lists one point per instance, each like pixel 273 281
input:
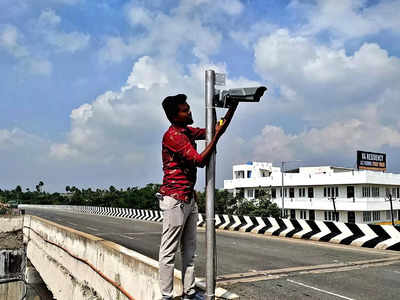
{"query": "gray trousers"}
pixel 179 226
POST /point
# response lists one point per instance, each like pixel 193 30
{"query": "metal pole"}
pixel 334 207
pixel 210 188
pixel 282 193
pixel 391 208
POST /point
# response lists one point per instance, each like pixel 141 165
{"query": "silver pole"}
pixel 210 188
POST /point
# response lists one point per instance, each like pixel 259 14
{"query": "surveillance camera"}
pixel 225 98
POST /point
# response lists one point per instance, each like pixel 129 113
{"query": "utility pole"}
pixel 391 207
pixel 334 208
pixel 210 188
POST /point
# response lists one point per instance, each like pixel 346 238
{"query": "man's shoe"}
pixel 194 296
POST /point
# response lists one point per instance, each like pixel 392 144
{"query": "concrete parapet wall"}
pixel 361 235
pixel 10 223
pixel 75 265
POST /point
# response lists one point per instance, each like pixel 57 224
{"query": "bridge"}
pixel 249 265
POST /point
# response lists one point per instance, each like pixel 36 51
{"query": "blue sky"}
pixel 82 83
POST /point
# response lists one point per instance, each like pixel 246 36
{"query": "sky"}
pixel 82 84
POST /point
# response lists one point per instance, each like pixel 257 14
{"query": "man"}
pixel 177 200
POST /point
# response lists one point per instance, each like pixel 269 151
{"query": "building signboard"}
pixel 371 161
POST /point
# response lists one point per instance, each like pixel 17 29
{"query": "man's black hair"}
pixel 170 105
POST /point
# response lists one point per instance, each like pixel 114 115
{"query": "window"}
pixel 291 192
pixel 376 215
pixel 366 216
pixel 240 192
pixel 331 191
pixel 303 214
pixel 265 173
pixel 331 216
pixel 350 191
pixel 366 191
pixel 293 214
pixel 310 192
pixel 389 215
pixel 239 174
pixel 273 193
pixel 375 191
pixel 250 193
pixel 387 192
pixel 302 192
pixel 248 174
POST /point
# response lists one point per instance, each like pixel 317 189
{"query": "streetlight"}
pixel 391 206
pixel 283 184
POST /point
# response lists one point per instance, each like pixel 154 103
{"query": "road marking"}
pixel 127 237
pixel 319 290
pixel 315 269
pixel 91 228
pixel 73 224
pixel 396 272
pixel 143 233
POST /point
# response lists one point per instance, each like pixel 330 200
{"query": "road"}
pixel 262 267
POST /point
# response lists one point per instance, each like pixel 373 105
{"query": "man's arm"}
pixel 219 131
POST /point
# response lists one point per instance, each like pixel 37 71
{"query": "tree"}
pixel 260 207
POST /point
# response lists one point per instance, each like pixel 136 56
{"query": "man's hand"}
pixel 219 130
pixel 223 124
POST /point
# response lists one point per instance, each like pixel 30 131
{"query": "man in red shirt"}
pixel 177 201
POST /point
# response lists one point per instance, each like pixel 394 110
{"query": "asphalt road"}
pixel 263 267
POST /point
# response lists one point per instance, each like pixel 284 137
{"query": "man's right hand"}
pixel 220 128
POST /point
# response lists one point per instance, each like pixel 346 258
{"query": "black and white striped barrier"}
pixel 362 235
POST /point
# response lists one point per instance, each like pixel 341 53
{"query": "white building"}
pixel 313 193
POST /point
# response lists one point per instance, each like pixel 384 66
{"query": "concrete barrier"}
pixel 77 265
pixel 11 223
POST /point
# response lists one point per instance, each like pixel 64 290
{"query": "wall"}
pixel 76 265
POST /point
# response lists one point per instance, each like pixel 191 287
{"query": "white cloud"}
pixel 334 84
pixel 48 18
pixel 10 38
pixel 165 35
pixel 361 19
pixel 339 139
pixel 72 42
pixel 145 74
pixel 11 41
pixel 139 16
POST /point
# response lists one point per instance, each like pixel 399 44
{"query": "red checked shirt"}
pixel 180 161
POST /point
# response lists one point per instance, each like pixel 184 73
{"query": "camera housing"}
pixel 226 98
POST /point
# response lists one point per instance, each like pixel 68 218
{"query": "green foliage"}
pixel 133 197
pixel 225 203
pixel 260 207
pixel 222 199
